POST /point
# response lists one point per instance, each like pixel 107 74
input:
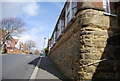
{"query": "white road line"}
pixel 33 76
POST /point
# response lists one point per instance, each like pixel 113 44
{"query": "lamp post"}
pixel 44 43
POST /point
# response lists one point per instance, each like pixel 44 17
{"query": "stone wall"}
pixel 96 54
pixel 65 52
pixel 83 51
pixel 118 13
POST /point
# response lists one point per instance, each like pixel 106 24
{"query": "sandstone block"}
pixel 90 69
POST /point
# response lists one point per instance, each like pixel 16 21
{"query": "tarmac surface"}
pixel 18 66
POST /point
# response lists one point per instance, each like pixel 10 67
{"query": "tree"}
pixel 46 51
pixel 11 27
pixel 31 44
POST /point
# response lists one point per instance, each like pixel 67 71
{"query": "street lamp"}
pixel 44 43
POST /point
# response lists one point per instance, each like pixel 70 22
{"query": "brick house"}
pixel 23 47
pixel 14 46
pixel 0 38
pixel 20 46
pixel 26 50
pixel 10 45
pixel 81 44
pixel 2 34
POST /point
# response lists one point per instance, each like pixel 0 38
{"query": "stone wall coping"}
pixel 88 7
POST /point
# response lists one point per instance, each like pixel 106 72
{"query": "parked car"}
pixel 42 55
pixel 31 53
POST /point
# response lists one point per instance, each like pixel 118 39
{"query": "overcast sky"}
pixel 40 18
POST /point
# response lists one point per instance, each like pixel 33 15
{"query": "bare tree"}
pixel 10 27
pixel 31 44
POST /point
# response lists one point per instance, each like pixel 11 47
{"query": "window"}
pixel 74 8
pixel 52 41
pixel 68 13
pixel 106 5
pixel 71 9
pixel 8 43
pixel 62 25
pixel 54 37
pixel 59 29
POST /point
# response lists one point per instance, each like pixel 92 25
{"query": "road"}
pixel 18 66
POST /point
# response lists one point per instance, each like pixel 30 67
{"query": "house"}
pixel 2 35
pixel 10 46
pixel 26 50
pixel 23 47
pixel 15 46
pixel 20 46
pixel 0 38
pixel 37 52
pixel 79 43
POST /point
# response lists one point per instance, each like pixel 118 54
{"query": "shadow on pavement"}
pixel 47 65
pixel 34 62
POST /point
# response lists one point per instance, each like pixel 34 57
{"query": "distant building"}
pixel 26 50
pixel 13 45
pixel 36 52
pixel 10 45
pixel 20 46
pixel 23 47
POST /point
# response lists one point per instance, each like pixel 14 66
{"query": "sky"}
pixel 40 18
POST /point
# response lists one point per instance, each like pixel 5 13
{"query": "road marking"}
pixel 33 76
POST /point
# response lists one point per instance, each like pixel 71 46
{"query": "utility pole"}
pixel 44 45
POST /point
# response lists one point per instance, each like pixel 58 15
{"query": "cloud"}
pixel 17 9
pixel 31 9
pixel 34 34
pixel 19 0
pixel 11 9
pixel 33 0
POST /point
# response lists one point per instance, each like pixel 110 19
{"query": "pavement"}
pixel 48 71
pixel 18 66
